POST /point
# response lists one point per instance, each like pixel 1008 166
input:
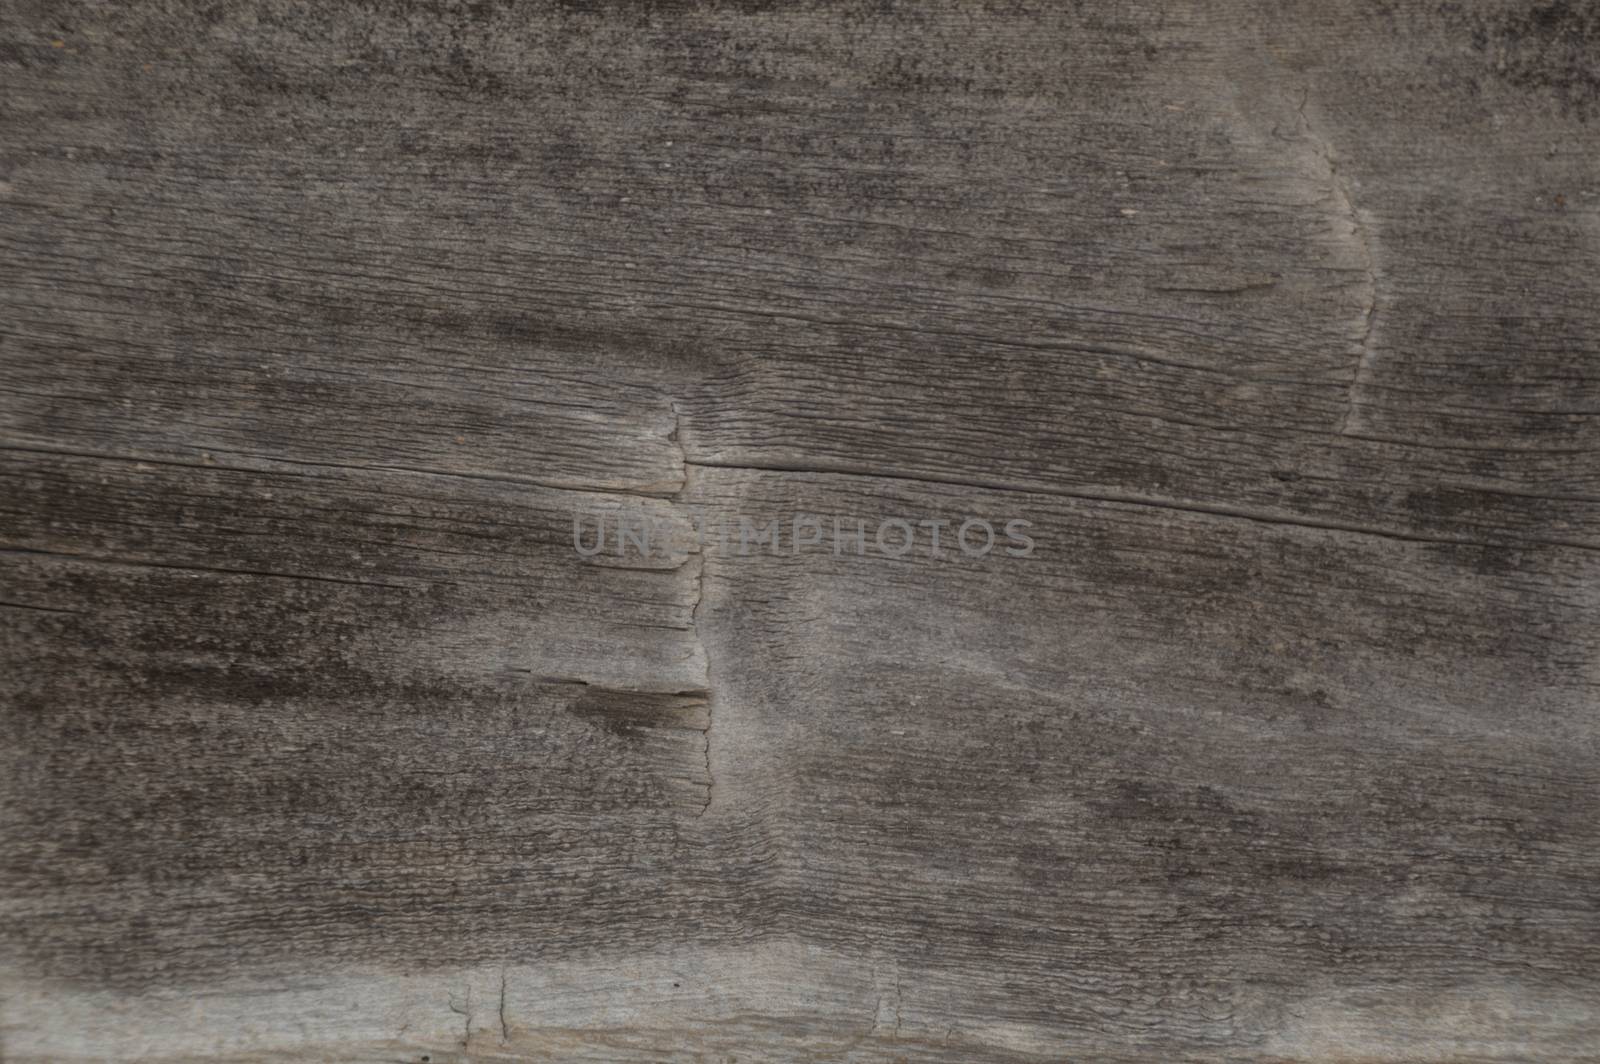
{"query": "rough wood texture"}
pixel 1279 322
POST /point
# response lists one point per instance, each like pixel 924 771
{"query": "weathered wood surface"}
pixel 1279 322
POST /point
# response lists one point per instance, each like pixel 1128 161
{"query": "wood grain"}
pixel 321 326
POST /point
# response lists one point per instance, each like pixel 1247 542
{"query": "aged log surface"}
pixel 1278 322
